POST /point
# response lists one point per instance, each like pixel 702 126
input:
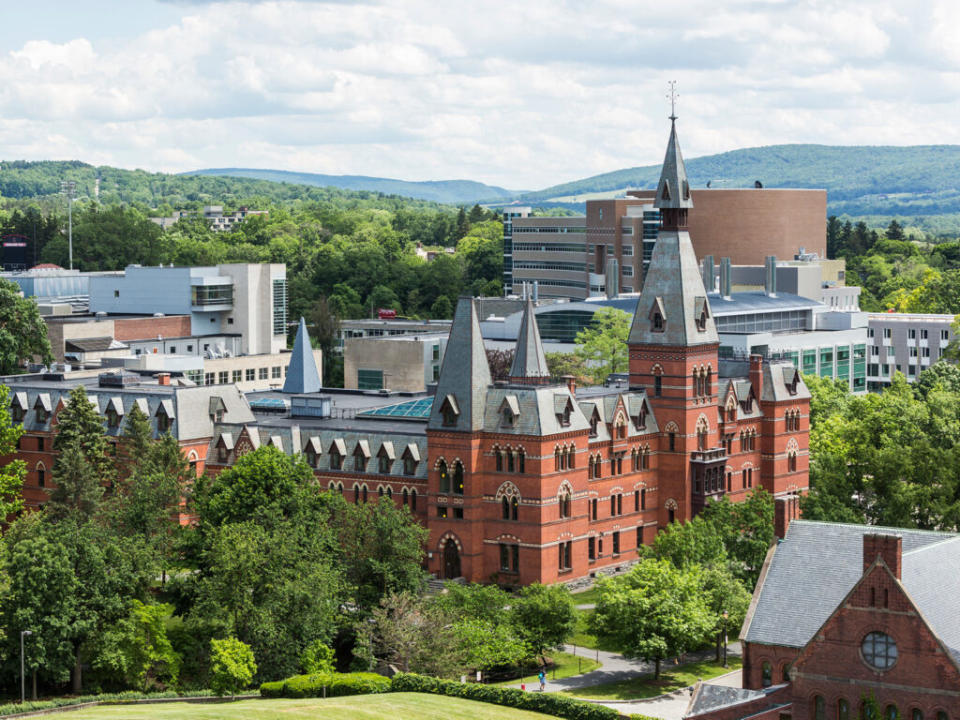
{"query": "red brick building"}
pixel 848 621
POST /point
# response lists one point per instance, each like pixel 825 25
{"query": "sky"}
pixel 523 95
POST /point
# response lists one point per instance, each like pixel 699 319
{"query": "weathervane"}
pixel 672 94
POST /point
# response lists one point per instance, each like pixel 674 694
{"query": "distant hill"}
pixel 860 180
pixel 454 192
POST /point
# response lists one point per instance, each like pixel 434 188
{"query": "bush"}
pixel 335 684
pixel 104 699
pixel 547 703
pixel 232 666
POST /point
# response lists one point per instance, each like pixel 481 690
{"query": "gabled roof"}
pixel 777 376
pixel 386 448
pixel 535 409
pixel 302 373
pixel 814 568
pixel 465 373
pixel 529 360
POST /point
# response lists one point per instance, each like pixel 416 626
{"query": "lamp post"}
pixel 725 616
pixel 69 188
pixel 23 677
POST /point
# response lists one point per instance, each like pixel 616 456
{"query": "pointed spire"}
pixel 673 190
pixel 302 373
pixel 461 396
pixel 529 360
pixel 673 308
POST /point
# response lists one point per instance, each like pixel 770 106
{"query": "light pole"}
pixel 69 188
pixel 725 616
pixel 23 677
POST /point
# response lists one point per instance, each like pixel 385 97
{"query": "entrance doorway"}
pixel 451 560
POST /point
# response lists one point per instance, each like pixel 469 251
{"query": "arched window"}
pixel 643 498
pixel 891 713
pixel 707 381
pixel 390 493
pixel 505 507
pixel 413 499
pixel 356 494
pixel 499 456
pixel 565 501
pixel 766 677
pixel 364 493
pixel 444 476
pixel 819 708
pixel 41 475
pixel 457 478
pixel 593 509
pixel 514 507
pixel 702 429
pixel 792 462
pixel 916 714
pixel 380 490
pixel 510 461
pixel 521 461
pixel 571 457
pixel 406 496
pixel 843 709
pixel 657 382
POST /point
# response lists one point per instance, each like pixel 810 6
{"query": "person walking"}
pixel 543 679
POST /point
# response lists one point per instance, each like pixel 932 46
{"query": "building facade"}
pixel 849 621
pixel 570 256
pixel 908 343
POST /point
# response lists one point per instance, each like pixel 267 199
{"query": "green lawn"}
pixel 566 665
pixel 587 596
pixel 389 706
pixel 672 677
pixel 583 638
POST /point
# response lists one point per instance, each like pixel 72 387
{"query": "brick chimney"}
pixel 756 375
pixel 786 509
pixel 889 547
pixel 163 378
pixel 571 382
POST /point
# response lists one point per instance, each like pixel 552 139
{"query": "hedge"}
pixel 106 698
pixel 336 684
pixel 548 703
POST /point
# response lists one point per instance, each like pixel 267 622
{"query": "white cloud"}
pixel 522 95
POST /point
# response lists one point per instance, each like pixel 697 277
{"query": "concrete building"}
pixel 905 342
pixel 848 621
pixel 402 362
pixel 247 299
pixel 364 328
pixel 568 257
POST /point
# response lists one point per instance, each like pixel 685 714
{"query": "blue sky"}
pixel 522 95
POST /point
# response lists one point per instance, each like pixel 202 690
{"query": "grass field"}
pixel 587 596
pixel 567 665
pixel 389 706
pixel 672 677
pixel 582 637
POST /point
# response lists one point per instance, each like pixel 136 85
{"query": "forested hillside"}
pixel 444 191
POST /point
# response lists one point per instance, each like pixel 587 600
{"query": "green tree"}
pixel 543 616
pixel 602 345
pixel 12 472
pixel 80 428
pixel 232 666
pixel 383 548
pixel 655 611
pixel 746 530
pixel 489 645
pixel 23 333
pixel 78 490
pixel 561 364
pixel 138 650
pixel 442 308
pixel 894 230
pixel 317 657
pixel 727 601
pixel 472 600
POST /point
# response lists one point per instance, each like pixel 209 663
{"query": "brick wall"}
pixel 142 328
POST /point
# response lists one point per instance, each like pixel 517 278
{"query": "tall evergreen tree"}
pixel 80 428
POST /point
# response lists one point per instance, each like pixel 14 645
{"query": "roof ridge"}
pixel 879 528
pixel 945 541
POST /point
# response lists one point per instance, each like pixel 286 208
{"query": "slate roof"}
pixel 674 283
pixel 529 360
pixel 818 563
pixel 538 407
pixel 464 374
pixel 777 374
pixel 302 374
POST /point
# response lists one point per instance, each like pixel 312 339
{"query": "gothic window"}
pixel 406 496
pixel 413 499
pixel 672 440
pixel 591 548
pixel 409 464
pixel 613 505
pixel 505 507
pixel 498 454
pixel 444 476
pixel 766 674
pixel 356 494
pixel 916 714
pixel 457 478
pixel 641 418
pixel 820 708
pixel 643 498
pixel 565 555
pixel 41 475
pixel 594 422
pixel 792 462
pixel 336 459
pixel 364 493
pixel 843 709
pixel 707 381
pixel 359 460
pixel 565 505
pixel 657 385
pixel 636 501
pixel 571 457
pixel 514 507
pixel 521 461
pixel 383 462
pixel 510 461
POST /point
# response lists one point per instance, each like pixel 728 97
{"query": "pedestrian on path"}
pixel 543 679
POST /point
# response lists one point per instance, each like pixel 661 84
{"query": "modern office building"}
pixel 905 342
pixel 375 328
pixel 569 256
pixel 249 300
pixel 213 214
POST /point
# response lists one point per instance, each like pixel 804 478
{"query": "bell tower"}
pixel 673 348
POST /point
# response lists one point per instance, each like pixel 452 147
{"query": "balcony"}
pixel 211 298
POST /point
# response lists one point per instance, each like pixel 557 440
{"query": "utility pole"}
pixel 23 677
pixel 69 188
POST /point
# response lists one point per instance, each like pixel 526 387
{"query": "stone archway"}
pixel 451 560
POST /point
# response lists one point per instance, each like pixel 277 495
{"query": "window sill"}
pixel 565 571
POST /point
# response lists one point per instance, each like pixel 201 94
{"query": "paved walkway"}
pixel 673 706
pixel 616 667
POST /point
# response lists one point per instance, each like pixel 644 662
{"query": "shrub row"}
pixel 336 684
pixel 548 703
pixel 130 695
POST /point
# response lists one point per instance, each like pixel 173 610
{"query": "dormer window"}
pixel 217 409
pixel 165 416
pixel 449 411
pixel 337 454
pixel 701 311
pixel 42 408
pixel 113 420
pixel 640 419
pixel 657 322
pixel 594 424
pixel 658 316
pixel 509 411
pixel 507 418
pixel 411 458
